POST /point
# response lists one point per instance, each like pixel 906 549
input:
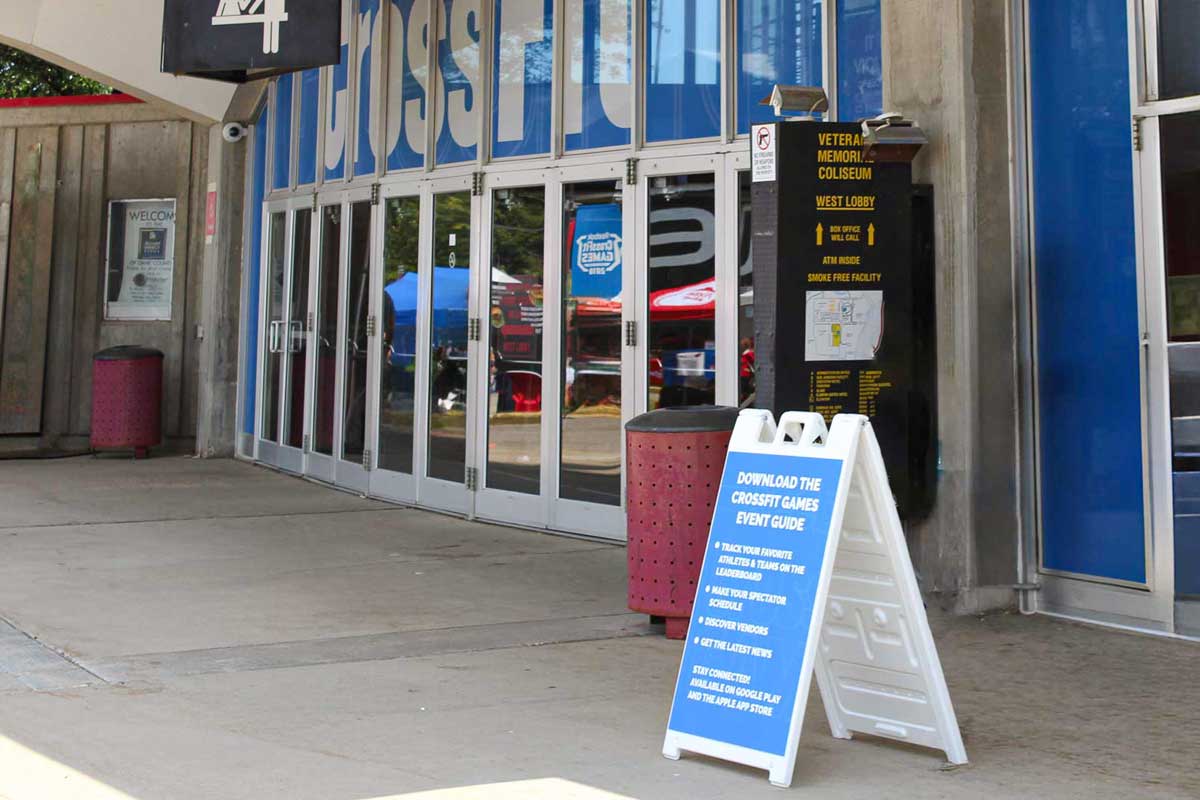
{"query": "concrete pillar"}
pixel 945 65
pixel 216 424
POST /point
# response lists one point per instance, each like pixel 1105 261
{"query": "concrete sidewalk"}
pixel 174 629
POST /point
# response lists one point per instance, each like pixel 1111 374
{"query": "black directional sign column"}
pixel 832 237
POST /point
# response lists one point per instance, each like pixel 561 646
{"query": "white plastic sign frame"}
pixel 867 639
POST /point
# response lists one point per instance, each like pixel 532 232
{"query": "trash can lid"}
pixel 127 352
pixel 685 419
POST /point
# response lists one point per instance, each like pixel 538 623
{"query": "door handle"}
pixel 295 336
pixel 273 337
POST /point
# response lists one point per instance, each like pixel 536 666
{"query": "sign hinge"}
pixel 631 333
pixel 371 325
pixel 306 442
pixel 474 329
pixel 367 460
pixel 631 171
pixel 472 479
pixel 1137 134
pixel 312 321
pixel 477 184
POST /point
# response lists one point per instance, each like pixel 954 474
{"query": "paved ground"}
pixel 183 629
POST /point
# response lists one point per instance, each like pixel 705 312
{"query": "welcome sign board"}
pixel 806 572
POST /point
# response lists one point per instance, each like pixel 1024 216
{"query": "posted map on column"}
pixel 754 603
pixel 842 326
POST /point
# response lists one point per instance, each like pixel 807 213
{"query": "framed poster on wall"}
pixel 139 276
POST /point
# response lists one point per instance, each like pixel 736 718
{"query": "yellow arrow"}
pixel 871 235
pixel 820 234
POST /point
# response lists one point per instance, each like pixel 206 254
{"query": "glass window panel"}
pixel 258 185
pixel 408 83
pixel 358 286
pixel 281 173
pixel 448 401
pixel 860 59
pixel 778 42
pixel 276 260
pixel 401 289
pixel 1093 517
pixel 326 326
pixel 683 291
pixel 590 456
pixel 370 33
pixel 523 67
pixel 337 106
pixel 1180 154
pixel 459 30
pixel 515 349
pixel 747 368
pixel 296 337
pixel 310 101
pixel 596 96
pixel 1178 56
pixel 683 69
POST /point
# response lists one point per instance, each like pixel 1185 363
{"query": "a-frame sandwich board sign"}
pixel 806 571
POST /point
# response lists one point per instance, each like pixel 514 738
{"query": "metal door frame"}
pixel 320 466
pixel 520 508
pixel 351 474
pixel 266 451
pixel 434 492
pixel 576 516
pixel 391 485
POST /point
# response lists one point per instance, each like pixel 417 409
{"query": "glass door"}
pixel 353 356
pixel 595 332
pixel 273 334
pixel 330 243
pixel 295 339
pixel 398 358
pixel 678 299
pixel 1171 208
pixel 446 426
pixel 511 452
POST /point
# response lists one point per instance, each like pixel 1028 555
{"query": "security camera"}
pixel 233 132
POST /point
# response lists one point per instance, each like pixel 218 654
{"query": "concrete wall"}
pixel 59 168
pixel 118 42
pixel 945 65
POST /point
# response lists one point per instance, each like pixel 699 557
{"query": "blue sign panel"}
pixel 860 60
pixel 458 63
pixel 683 69
pixel 369 28
pixel 337 112
pixel 258 186
pixel 778 42
pixel 596 104
pixel 524 68
pixel 310 103
pixel 1089 385
pixel 754 605
pixel 281 172
pixel 408 78
pixel 596 251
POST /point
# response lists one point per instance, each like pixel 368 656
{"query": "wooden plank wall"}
pixel 55 186
pixel 27 298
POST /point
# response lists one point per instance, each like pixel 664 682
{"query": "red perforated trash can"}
pixel 675 457
pixel 127 399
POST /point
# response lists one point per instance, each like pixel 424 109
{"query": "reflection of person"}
pixel 746 368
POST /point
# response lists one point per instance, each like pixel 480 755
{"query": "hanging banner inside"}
pixel 241 40
pixel 140 275
pixel 806 572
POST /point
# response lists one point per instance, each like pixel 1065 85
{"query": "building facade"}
pixel 448 269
